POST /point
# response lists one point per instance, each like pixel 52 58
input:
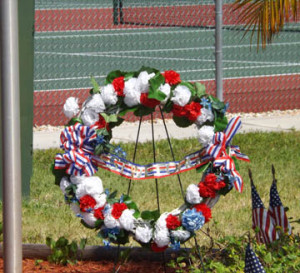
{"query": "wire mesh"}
pixel 77 39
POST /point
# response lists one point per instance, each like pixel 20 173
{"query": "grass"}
pixel 45 213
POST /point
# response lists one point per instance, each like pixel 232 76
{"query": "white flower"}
pixel 132 95
pixel 76 179
pixel 108 94
pixel 95 102
pixel 127 219
pixel 100 200
pixel 64 183
pixel 205 135
pixel 75 208
pixel 89 117
pixel 142 84
pixel 161 223
pixel 111 222
pixel 91 185
pixel 89 218
pixel 166 89
pixel 143 233
pixel 181 235
pixel 161 238
pixel 192 194
pixel 181 95
pixel 206 114
pixel 71 107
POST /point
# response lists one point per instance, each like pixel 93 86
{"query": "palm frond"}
pixel 267 17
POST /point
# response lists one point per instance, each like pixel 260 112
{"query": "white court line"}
pixel 108 53
pixel 183 71
pixel 174 59
pixel 146 32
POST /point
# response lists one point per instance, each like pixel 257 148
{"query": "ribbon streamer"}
pixel 134 171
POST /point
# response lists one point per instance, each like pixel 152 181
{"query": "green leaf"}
pixel 73 247
pixel 150 215
pixel 61 242
pixel 50 242
pixel 110 118
pixel 200 89
pixel 182 122
pixel 220 123
pixel 74 120
pixel 116 124
pixel 154 92
pixel 113 195
pixel 126 110
pixel 203 168
pixel 216 103
pixel 95 85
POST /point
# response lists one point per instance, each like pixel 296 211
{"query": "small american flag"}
pixel 252 263
pixel 262 220
pixel 276 210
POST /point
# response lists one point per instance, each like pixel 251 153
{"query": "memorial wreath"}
pixel 86 144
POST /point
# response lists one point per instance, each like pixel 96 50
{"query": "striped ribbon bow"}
pixel 75 163
pixel 217 151
pixel 78 137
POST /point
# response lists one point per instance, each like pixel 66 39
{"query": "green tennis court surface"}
pixel 67 60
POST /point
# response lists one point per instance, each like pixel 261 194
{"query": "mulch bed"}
pixel 34 265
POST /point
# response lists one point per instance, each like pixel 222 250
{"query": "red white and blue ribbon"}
pixel 218 154
pixel 135 171
pixel 79 137
pixel 75 163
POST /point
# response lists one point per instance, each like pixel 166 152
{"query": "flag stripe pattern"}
pixel 276 210
pixel 262 220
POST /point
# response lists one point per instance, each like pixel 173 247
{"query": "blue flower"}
pixel 106 192
pixel 113 231
pixel 100 140
pixel 106 243
pixel 120 152
pixel 192 220
pixel 206 103
pixel 223 111
pixel 175 244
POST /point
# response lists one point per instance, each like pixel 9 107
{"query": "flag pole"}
pixel 250 176
pixel 273 173
pixel 11 143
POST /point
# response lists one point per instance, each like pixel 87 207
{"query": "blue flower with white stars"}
pixel 206 103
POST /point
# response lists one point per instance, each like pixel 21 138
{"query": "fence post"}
pixel 11 144
pixel 218 48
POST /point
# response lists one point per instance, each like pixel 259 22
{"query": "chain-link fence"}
pixel 77 39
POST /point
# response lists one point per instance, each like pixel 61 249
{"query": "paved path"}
pixel 45 139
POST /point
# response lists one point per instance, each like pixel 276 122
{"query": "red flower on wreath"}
pixel 206 191
pixel 172 222
pixel 179 111
pixel 193 110
pixel 118 84
pixel 151 103
pixel 98 213
pixel 210 181
pixel 87 203
pixel 117 209
pixel 101 123
pixel 156 248
pixel 206 211
pixel 171 77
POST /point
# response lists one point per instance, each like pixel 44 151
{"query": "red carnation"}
pixel 98 213
pixel 210 181
pixel 87 203
pixel 206 191
pixel 151 103
pixel 206 211
pixel 179 111
pixel 156 248
pixel 118 84
pixel 172 77
pixel 172 222
pixel 193 110
pixel 101 123
pixel 117 210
